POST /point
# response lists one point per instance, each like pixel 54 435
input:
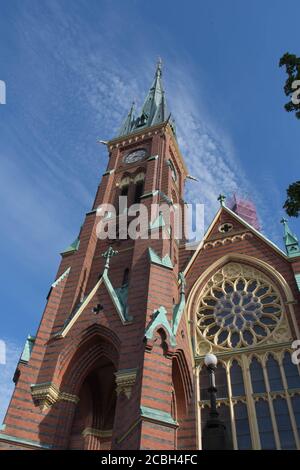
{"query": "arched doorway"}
pixel 94 415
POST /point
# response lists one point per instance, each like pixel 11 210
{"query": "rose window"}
pixel 240 307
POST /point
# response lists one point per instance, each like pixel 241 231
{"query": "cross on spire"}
pixel 221 199
pixel 109 253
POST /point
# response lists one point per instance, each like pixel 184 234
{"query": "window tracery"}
pixel 240 307
pixel 251 401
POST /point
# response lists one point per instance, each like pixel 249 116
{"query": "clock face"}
pixel 135 156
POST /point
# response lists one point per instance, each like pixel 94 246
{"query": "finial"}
pixel 159 66
pixel 109 253
pixel 290 240
pixel 221 199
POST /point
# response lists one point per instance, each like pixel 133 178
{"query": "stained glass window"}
pixel 242 426
pixel 236 379
pixel 221 382
pixel 296 408
pixel 204 384
pixel 265 426
pixel 257 377
pixel 274 375
pixel 291 372
pixel 238 310
pixel 224 413
pixel 284 424
pixel 237 316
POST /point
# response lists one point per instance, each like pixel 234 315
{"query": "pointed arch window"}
pixel 139 181
pixel 221 382
pixel 296 409
pixel 124 190
pixel 237 381
pixel 283 422
pixel 265 427
pixel 204 384
pixel 291 371
pixel 139 189
pixel 274 375
pixel 242 426
pixel 257 377
pixel 224 413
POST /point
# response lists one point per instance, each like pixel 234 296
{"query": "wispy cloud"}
pixel 211 156
pixel 66 160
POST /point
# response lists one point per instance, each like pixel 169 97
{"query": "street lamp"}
pixel 214 436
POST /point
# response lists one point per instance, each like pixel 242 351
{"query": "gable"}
pixel 218 235
pixel 224 225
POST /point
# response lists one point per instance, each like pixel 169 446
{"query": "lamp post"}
pixel 214 435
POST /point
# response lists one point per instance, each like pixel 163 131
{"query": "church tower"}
pixel 111 366
pixel 118 359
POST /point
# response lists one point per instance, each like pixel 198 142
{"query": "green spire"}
pixel 154 100
pixel 154 110
pixel 290 240
pixel 128 122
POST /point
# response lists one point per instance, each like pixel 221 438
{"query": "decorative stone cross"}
pixel 109 253
pixel 97 309
pixel 222 198
pixel 226 228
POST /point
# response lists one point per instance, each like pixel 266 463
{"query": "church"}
pixel 117 362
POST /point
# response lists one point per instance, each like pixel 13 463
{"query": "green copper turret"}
pixel 290 240
pixel 154 111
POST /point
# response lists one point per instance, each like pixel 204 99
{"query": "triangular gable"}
pixel 117 296
pixel 224 215
pixel 224 219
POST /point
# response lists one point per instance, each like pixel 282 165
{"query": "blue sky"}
pixel 72 69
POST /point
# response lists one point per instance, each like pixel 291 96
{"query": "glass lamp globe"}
pixel 210 360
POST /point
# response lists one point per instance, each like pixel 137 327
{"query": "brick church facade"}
pixel 117 360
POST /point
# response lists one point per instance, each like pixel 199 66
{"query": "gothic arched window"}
pixel 265 427
pixel 257 377
pixel 241 317
pixel 236 378
pixel 274 375
pixel 139 187
pixel 291 371
pixel 240 307
pixel 283 422
pixel 242 426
